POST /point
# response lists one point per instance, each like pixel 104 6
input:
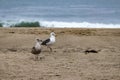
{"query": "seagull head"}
pixel 38 40
pixel 52 34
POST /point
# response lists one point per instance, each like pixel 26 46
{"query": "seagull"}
pixel 36 50
pixel 48 42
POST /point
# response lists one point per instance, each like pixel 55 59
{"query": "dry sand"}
pixel 68 60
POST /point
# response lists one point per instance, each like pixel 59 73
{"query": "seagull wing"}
pixel 45 42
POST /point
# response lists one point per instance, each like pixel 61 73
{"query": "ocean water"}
pixel 62 13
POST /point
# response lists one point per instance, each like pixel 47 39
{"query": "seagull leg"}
pixel 50 48
pixel 36 57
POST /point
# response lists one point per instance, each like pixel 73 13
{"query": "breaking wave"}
pixel 58 24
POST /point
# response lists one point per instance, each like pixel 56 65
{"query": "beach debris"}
pixel 91 51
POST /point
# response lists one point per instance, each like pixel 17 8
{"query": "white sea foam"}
pixel 78 25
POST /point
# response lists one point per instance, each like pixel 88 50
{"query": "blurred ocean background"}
pixel 62 13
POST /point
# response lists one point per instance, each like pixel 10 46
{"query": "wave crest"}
pixel 78 25
pixel 58 24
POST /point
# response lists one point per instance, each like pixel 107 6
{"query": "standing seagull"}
pixel 49 41
pixel 36 50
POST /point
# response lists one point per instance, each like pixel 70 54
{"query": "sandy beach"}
pixel 72 57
